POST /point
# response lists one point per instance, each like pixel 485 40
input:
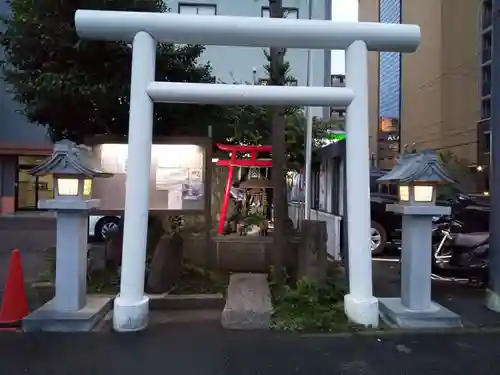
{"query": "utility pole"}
pixel 493 291
pixel 279 154
pixel 308 137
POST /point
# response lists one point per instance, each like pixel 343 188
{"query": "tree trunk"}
pixel 279 154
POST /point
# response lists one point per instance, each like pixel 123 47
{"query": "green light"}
pixel 336 136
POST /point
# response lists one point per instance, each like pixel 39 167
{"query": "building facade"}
pixel 22 145
pixel 389 91
pixel 246 64
pixel 435 101
pixel 485 93
pixel 337 113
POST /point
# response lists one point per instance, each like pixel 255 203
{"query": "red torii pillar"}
pixel 236 162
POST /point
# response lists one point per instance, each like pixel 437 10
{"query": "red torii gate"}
pixel 238 162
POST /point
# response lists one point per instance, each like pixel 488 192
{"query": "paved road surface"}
pixel 29 233
pixel 206 350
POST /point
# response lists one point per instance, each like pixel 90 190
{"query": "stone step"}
pixel 248 302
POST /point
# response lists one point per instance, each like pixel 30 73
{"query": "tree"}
pixel 253 124
pixel 459 170
pixel 80 88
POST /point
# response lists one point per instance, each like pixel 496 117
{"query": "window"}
pixel 336 187
pixel 265 82
pixel 196 8
pixel 486 142
pixel 485 108
pixel 290 13
pixel 338 80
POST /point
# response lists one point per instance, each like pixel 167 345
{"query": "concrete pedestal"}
pixel 70 310
pixel 415 308
pixel 396 314
pixel 492 300
pixel 71 261
pixel 49 318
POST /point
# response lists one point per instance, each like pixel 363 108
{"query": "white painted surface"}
pixel 342 11
pixel 309 129
pixel 245 31
pixel 71 261
pixel 130 304
pixel 130 316
pixel 206 93
pixel 358 189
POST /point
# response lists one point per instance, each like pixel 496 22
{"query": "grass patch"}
pixel 193 280
pixel 311 306
pixel 196 280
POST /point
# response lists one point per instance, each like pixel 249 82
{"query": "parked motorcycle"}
pixel 459 255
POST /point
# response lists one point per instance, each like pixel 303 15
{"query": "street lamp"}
pixel 70 310
pixel 412 194
pixel 417 174
pixel 68 186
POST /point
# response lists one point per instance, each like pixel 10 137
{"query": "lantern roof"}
pixel 68 158
pixel 414 167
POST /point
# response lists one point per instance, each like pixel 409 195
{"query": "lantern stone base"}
pixel 395 314
pixel 492 300
pixel 49 319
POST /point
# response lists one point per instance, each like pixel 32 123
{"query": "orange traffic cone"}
pixel 15 302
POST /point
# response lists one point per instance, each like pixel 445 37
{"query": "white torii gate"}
pixel 144 30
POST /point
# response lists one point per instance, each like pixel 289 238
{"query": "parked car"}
pixel 100 225
pixel 386 226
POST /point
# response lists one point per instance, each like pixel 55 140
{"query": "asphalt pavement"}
pixel 190 349
pixel 31 234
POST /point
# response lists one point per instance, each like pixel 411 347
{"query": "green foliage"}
pixel 196 280
pixel 331 123
pixel 80 88
pixel 253 124
pixel 309 306
pixel 458 169
pixel 282 71
pixel 254 219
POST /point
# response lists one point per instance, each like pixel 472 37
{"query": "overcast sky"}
pixel 342 11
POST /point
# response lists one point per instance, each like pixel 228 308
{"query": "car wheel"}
pixel 104 225
pixel 378 238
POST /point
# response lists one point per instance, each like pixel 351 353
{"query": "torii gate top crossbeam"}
pixel 245 31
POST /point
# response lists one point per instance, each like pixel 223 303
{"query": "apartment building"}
pixel 431 97
pixel 246 64
pixel 487 27
pixel 337 80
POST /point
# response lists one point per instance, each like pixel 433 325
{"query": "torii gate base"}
pixel 143 30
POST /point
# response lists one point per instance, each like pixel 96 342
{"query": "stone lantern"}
pixel 418 174
pixel 71 309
